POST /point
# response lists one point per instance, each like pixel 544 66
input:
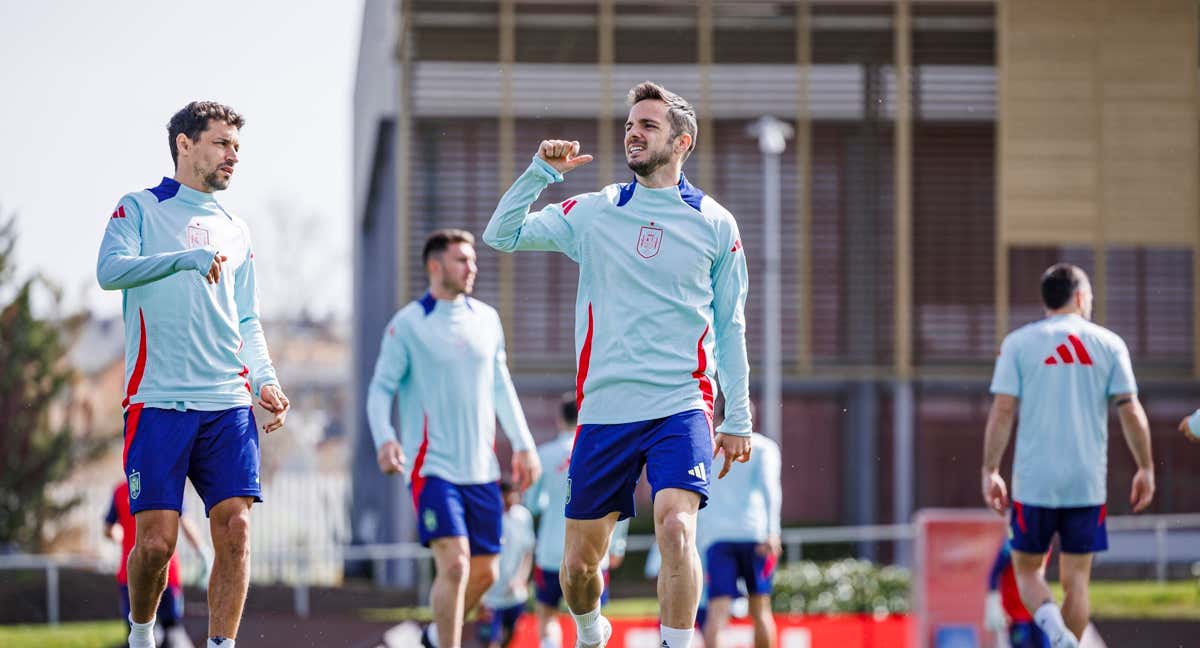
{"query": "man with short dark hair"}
pixel 443 356
pixel 659 314
pixel 195 362
pixel 1063 371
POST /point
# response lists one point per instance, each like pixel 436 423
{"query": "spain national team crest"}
pixel 135 484
pixel 649 241
pixel 430 520
pixel 197 237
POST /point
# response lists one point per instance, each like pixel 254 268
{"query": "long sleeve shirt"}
pixel 662 288
pixel 188 344
pixel 445 359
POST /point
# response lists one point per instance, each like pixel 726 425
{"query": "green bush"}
pixel 844 586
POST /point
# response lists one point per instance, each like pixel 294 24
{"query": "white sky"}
pixel 86 90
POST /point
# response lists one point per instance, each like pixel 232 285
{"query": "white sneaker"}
pixel 1065 640
pixel 605 635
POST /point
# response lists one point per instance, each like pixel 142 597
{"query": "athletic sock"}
pixel 220 642
pixel 141 635
pixel 676 637
pixel 1049 619
pixel 588 626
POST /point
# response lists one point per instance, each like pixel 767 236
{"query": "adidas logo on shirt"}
pixel 699 472
pixel 1064 353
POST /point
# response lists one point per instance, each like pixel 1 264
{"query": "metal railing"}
pixel 794 540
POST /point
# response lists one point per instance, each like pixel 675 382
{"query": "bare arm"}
pixel 995 441
pixel 1136 429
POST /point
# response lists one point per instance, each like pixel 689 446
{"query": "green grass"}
pixel 1143 600
pixel 86 634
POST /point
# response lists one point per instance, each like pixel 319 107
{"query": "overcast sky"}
pixel 86 90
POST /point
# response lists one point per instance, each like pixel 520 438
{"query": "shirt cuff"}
pixel 543 169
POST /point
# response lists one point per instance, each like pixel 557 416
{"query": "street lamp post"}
pixel 772 137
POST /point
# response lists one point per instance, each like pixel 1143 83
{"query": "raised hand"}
pixel 562 155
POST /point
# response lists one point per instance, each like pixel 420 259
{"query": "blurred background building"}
pixel 945 154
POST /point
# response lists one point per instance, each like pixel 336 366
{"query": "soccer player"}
pixel 740 536
pixel 443 356
pixel 1190 426
pixel 659 310
pixel 195 362
pixel 1004 613
pixel 548 498
pixel 1062 372
pixel 504 603
pixel 120 526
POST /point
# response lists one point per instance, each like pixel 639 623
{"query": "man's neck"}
pixel 192 182
pixel 664 176
pixel 1064 311
pixel 442 294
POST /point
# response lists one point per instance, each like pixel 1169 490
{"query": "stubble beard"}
pixel 650 164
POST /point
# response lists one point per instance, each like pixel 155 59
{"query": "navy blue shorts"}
pixel 218 451
pixel 445 510
pixel 501 624
pixel 1080 529
pixel 1026 634
pixel 170 606
pixel 728 562
pixel 548 590
pixel 607 462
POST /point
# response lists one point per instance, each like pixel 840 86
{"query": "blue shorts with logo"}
pixel 728 562
pixel 1080 529
pixel 473 511
pixel 548 590
pixel 170 606
pixel 1026 634
pixel 217 451
pixel 607 462
pixel 501 624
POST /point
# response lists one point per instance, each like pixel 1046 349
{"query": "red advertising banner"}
pixel 794 631
pixel 954 553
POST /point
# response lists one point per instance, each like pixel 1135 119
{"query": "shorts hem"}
pixel 137 507
pixel 217 499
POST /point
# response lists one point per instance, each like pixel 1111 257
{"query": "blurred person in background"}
pixel 196 361
pixel 120 526
pixel 739 538
pixel 504 602
pixel 548 499
pixel 443 356
pixel 1004 613
pixel 659 315
pixel 1063 372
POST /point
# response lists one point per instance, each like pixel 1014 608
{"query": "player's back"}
pixel 517 541
pixel 1063 369
pixel 740 505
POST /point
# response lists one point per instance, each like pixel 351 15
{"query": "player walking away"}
pixel 662 286
pixel 1062 371
pixel 1190 426
pixel 504 603
pixel 443 355
pixel 739 535
pixel 548 498
pixel 1004 613
pixel 121 527
pixel 195 361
